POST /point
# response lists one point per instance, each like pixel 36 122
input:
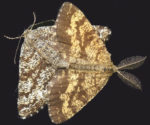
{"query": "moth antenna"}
pixel 34 16
pixel 17 51
pixel 45 22
pixel 130 79
pixel 131 62
pixel 12 38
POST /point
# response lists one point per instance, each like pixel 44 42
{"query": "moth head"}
pixel 27 33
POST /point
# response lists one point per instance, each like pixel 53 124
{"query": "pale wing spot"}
pixel 25 86
pixel 69 31
pixel 28 53
pixel 92 51
pixel 34 75
pixel 22 111
pixel 82 29
pixel 65 110
pixel 23 100
pixel 30 64
pixel 75 49
pixel 73 80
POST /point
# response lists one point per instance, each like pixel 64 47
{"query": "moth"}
pixel 66 65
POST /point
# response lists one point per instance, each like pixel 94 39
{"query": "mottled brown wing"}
pixel 72 89
pixel 74 29
pixel 34 75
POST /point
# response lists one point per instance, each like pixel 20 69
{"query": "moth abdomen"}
pixel 91 67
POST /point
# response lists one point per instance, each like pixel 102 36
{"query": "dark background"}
pixel 116 103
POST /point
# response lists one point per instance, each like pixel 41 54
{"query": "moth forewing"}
pixel 39 59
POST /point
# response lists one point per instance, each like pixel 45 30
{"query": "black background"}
pixel 116 103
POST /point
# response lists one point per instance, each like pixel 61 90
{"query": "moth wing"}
pixel 75 31
pixel 34 75
pixel 70 90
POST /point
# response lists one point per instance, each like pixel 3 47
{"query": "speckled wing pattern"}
pixel 71 89
pixel 34 75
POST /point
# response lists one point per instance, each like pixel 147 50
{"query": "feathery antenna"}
pixel 131 62
pixel 130 79
pixel 128 64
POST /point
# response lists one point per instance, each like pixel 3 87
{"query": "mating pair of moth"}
pixel 66 65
